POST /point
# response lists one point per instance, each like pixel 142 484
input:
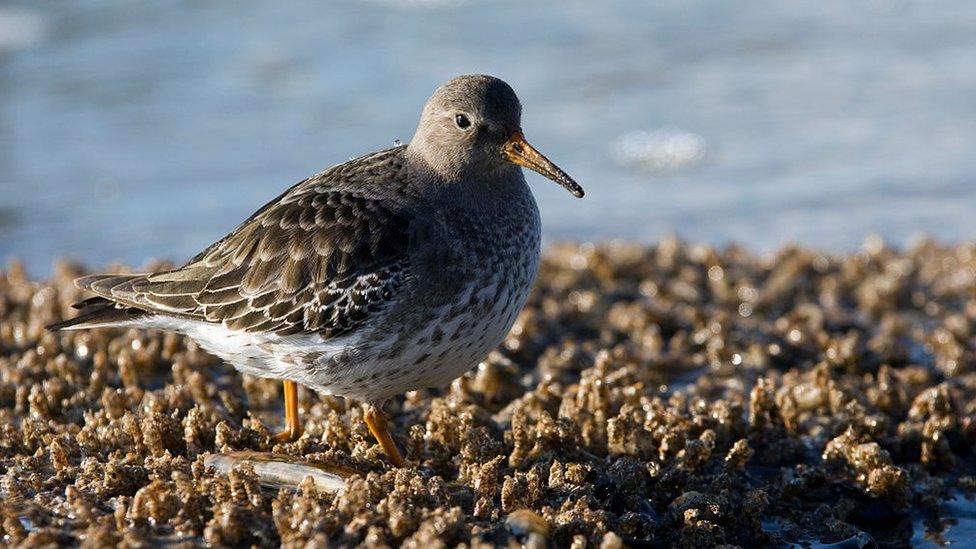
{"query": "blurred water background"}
pixel 136 130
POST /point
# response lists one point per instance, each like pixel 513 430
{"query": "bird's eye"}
pixel 462 121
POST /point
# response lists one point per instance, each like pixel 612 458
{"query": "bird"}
pixel 396 271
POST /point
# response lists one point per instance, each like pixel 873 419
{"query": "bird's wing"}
pixel 321 258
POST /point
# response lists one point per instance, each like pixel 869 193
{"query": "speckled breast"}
pixel 434 344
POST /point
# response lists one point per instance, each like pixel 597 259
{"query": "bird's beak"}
pixel 518 151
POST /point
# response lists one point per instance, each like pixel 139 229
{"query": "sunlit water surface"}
pixel 137 130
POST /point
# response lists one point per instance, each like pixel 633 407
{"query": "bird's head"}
pixel 473 125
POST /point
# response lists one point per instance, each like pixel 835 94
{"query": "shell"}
pixel 278 471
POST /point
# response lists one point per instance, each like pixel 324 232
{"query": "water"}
pixel 956 524
pixel 137 130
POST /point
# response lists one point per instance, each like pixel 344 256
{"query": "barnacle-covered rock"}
pixel 674 394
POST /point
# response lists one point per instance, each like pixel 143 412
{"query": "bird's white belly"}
pixel 447 345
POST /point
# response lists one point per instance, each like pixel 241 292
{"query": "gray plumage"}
pixel 394 271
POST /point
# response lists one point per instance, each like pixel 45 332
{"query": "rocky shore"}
pixel 666 395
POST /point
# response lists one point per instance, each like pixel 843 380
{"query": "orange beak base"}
pixel 518 151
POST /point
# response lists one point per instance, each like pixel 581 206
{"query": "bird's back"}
pixel 317 259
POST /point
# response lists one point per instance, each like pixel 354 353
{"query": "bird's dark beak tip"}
pixel 518 151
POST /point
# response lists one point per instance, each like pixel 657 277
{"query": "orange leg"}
pixel 293 427
pixel 376 423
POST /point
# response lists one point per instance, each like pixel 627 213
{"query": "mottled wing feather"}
pixel 321 258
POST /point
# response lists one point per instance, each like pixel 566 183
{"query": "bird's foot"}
pixel 288 434
pixel 376 422
pixel 293 427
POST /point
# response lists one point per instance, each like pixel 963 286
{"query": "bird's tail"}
pixel 102 311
